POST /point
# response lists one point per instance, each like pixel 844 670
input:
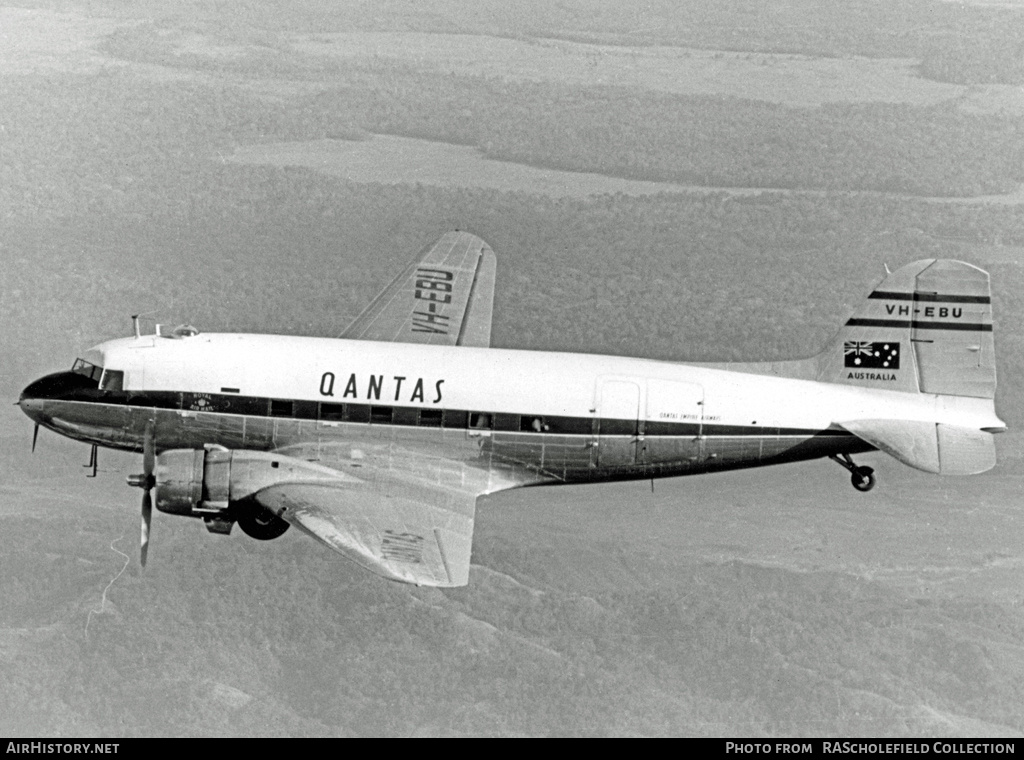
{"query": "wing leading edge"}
pixel 444 297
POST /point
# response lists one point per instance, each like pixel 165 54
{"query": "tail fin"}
pixel 927 328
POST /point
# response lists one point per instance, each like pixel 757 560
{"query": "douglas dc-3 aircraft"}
pixel 379 443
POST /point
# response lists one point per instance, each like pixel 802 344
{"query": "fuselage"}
pixel 541 417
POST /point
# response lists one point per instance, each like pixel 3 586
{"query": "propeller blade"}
pixel 148 481
pixel 149 452
pixel 35 435
pixel 147 520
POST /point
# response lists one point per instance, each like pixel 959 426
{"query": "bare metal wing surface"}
pixel 423 538
pixel 399 513
pixel 444 297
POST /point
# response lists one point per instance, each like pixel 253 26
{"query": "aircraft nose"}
pixel 34 391
pixel 33 407
pixel 43 388
pixel 32 399
pixel 60 385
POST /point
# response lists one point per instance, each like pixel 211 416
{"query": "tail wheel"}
pixel 260 523
pixel 863 478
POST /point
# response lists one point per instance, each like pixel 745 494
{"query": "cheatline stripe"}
pixel 917 296
pixel 904 323
pixel 503 424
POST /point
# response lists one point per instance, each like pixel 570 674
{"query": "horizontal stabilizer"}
pixel 965 451
pixel 929 446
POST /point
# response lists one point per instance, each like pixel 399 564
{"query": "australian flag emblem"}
pixel 867 355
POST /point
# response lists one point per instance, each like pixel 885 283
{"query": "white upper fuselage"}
pixel 500 380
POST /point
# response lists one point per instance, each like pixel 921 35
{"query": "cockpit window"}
pixel 113 380
pixel 82 367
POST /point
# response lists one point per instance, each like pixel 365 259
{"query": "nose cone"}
pixel 60 385
pixel 33 398
pixel 55 387
pixel 37 390
pixel 35 409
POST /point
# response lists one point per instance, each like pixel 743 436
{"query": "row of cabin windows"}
pixel 451 418
pixel 365 413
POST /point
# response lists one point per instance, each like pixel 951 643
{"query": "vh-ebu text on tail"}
pixel 378 442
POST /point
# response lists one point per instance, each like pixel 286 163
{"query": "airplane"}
pixel 378 443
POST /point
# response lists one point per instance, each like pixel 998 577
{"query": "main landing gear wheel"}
pixel 862 477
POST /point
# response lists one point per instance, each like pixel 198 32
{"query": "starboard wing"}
pixel 444 297
pixel 401 529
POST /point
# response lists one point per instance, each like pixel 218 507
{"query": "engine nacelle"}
pixel 186 484
pixel 218 485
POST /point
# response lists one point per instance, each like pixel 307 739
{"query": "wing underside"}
pixel 444 297
pixel 403 530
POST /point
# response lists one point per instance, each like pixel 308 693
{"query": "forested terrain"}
pixel 956 42
pixel 233 636
pixel 705 140
pixel 116 198
pixel 714 141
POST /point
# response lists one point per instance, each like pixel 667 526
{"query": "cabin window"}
pixel 332 412
pixel 533 424
pixel 504 421
pixel 279 408
pixel 380 415
pixel 112 380
pixel 254 406
pixel 430 417
pixel 569 425
pixel 357 412
pixel 480 421
pixel 304 410
pixel 405 415
pixel 453 418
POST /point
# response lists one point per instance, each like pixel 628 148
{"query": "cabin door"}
pixel 618 412
pixel 673 428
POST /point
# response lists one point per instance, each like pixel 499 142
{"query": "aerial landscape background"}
pixel 690 181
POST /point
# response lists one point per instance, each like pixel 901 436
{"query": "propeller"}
pixel 35 436
pixel 146 481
